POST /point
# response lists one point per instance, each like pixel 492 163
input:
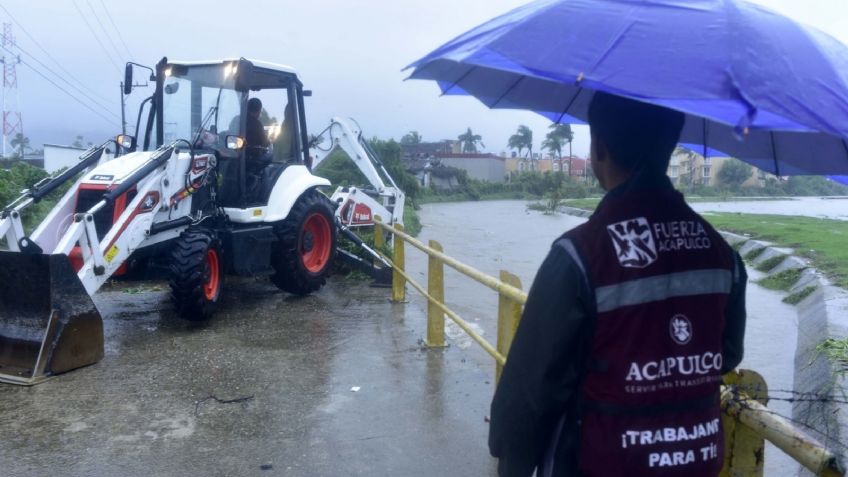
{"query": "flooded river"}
pixel 821 207
pixel 504 235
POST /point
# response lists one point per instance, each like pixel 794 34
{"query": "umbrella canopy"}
pixel 752 83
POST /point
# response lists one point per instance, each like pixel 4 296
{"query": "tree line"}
pixel 469 142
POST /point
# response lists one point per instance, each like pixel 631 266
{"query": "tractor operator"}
pixel 255 135
pixel 630 323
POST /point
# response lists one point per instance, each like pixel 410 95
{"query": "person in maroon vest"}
pixel 631 321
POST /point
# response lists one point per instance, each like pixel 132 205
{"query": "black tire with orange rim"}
pixel 197 273
pixel 304 254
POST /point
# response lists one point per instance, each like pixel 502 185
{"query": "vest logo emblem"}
pixel 681 329
pixel 634 242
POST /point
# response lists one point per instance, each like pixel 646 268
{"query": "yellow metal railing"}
pixel 747 421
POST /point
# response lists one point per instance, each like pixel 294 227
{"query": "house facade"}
pixel 483 167
pixel 689 168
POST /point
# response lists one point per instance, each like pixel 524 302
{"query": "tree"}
pixel 522 139
pixel 566 135
pixel 20 142
pixel 78 142
pixel 734 173
pixel 412 138
pixel 553 143
pixel 469 141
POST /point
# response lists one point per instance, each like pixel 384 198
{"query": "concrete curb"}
pixel 821 315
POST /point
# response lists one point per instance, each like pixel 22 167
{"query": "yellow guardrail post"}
pixel 744 449
pixel 379 238
pixel 509 314
pixel 752 422
pixel 398 262
pixel 436 289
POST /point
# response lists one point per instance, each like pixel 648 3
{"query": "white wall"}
pixel 57 157
pixel 489 169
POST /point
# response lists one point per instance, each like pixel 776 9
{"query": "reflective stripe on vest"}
pixel 662 287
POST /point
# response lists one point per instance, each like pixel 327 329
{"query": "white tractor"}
pixel 216 187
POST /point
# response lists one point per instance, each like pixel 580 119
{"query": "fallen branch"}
pixel 219 401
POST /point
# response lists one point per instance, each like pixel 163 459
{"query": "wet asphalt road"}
pixel 150 408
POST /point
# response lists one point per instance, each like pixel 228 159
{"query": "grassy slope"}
pixel 823 241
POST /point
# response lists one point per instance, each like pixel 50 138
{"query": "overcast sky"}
pixel 349 53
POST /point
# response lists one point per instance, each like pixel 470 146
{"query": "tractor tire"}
pixel 197 273
pixel 306 246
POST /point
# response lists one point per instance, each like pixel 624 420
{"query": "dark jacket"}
pixel 542 377
pixel 255 134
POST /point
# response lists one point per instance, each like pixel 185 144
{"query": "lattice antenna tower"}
pixel 12 120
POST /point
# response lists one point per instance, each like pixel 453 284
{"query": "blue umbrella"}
pixel 753 84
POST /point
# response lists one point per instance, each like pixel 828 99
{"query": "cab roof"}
pixel 258 63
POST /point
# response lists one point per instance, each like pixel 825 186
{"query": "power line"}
pixel 37 44
pixel 90 29
pixel 103 29
pixel 110 120
pixel 117 30
pixel 46 78
pixel 92 99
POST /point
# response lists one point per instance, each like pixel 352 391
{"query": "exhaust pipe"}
pixel 48 322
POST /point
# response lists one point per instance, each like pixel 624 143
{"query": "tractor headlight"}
pixel 235 142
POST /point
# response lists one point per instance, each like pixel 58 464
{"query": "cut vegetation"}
pixel 797 297
pixel 836 350
pixel 781 281
pixel 769 264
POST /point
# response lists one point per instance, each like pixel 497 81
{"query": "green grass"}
pixel 823 241
pixel 769 264
pixel 753 254
pixel 836 350
pixel 587 204
pixel 796 298
pixel 411 223
pixel 781 281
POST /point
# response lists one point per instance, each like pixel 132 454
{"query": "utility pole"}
pixel 123 111
pixel 12 121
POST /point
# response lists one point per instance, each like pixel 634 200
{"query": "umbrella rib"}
pixel 845 145
pixel 570 103
pixel 774 155
pixel 508 90
pixel 455 83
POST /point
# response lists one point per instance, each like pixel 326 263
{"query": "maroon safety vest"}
pixel 649 398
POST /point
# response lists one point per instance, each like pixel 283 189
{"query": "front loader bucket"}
pixel 48 323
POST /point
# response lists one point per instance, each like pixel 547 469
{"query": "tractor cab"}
pixel 248 114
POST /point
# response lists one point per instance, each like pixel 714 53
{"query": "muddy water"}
pixel 504 235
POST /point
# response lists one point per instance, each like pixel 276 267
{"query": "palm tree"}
pixel 566 135
pixel 469 141
pixel 553 143
pixel 21 142
pixel 411 138
pixel 523 138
